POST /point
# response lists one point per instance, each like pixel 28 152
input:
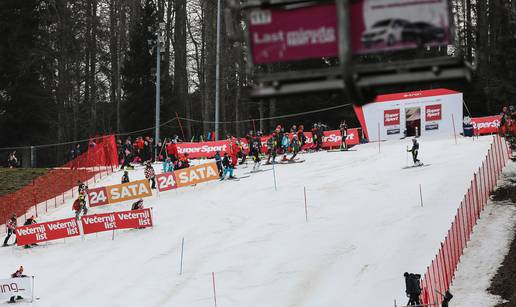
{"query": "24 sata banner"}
pixel 119 193
pixel 187 176
pixel 116 220
pixel 47 231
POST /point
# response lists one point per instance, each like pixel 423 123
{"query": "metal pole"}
pixel 158 74
pixel 217 76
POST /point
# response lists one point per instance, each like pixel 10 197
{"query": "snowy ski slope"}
pixel 365 228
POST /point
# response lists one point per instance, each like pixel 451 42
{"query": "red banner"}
pixel 391 117
pixel 203 149
pixel 47 231
pixel 279 35
pixel 116 220
pixel 433 112
pixel 166 182
pixel 486 125
pixel 97 197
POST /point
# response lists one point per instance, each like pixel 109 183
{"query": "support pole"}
pixel 158 75
pixel 379 139
pixel 274 174
pixel 217 75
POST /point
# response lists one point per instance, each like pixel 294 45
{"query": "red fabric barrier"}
pixel 42 232
pixel 439 275
pixel 95 163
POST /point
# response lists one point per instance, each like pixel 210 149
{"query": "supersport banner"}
pixel 203 149
pixel 47 231
pixel 119 193
pixel 116 220
pixel 486 125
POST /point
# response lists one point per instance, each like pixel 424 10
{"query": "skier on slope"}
pixel 79 205
pixel 272 144
pixel 218 161
pixel 150 175
pixel 344 133
pixel 415 150
pixel 296 146
pixel 11 227
pixel 255 152
pixel 228 167
pixel 17 274
pixel 137 205
pixel 31 220
pixel 125 177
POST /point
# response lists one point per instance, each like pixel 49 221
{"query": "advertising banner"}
pixel 486 125
pixel 97 197
pixel 20 286
pixel 433 112
pixel 391 117
pixel 127 191
pixel 116 220
pixel 196 174
pixel 47 231
pixel 202 149
pixel 387 25
pixel 280 35
pixel 166 181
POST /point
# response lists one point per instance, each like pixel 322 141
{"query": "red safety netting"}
pixel 52 188
pixel 439 275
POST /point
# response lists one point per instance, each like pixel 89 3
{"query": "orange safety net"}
pixel 50 188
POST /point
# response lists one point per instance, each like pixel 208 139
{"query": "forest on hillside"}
pixel 70 70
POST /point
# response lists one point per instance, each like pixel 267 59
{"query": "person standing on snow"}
pixel 138 205
pixel 31 220
pixel 218 161
pixel 125 177
pixel 344 133
pixel 79 205
pixel 11 227
pixel 17 274
pixel 228 167
pixel 295 145
pixel 415 151
pixel 150 174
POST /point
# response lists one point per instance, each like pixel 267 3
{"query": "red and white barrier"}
pixel 439 275
pixel 116 220
pixel 486 124
pixel 47 231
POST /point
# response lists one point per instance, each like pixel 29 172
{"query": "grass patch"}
pixel 12 179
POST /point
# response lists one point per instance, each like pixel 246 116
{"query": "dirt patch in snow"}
pixel 503 283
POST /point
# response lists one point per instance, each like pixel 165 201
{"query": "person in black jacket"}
pixel 125 177
pixel 228 167
pixel 415 152
pixel 11 227
pixel 218 161
pixel 31 220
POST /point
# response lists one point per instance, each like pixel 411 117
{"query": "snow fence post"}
pixel 214 292
pixel 113 236
pixel 32 299
pixel 379 138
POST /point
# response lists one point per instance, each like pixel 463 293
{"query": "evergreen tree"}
pixel 139 72
pixel 25 104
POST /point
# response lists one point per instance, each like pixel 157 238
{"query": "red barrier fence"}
pixel 440 273
pixel 53 187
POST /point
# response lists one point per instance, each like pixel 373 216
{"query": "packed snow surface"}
pixel 365 228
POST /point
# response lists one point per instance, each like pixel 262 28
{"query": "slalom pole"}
pixel 420 195
pixel 406 160
pixel 306 208
pixel 113 236
pixel 274 174
pixel 379 141
pixel 454 132
pixel 214 292
pixel 182 249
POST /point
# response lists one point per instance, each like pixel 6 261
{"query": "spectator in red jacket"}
pixel 172 151
pixel 11 227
